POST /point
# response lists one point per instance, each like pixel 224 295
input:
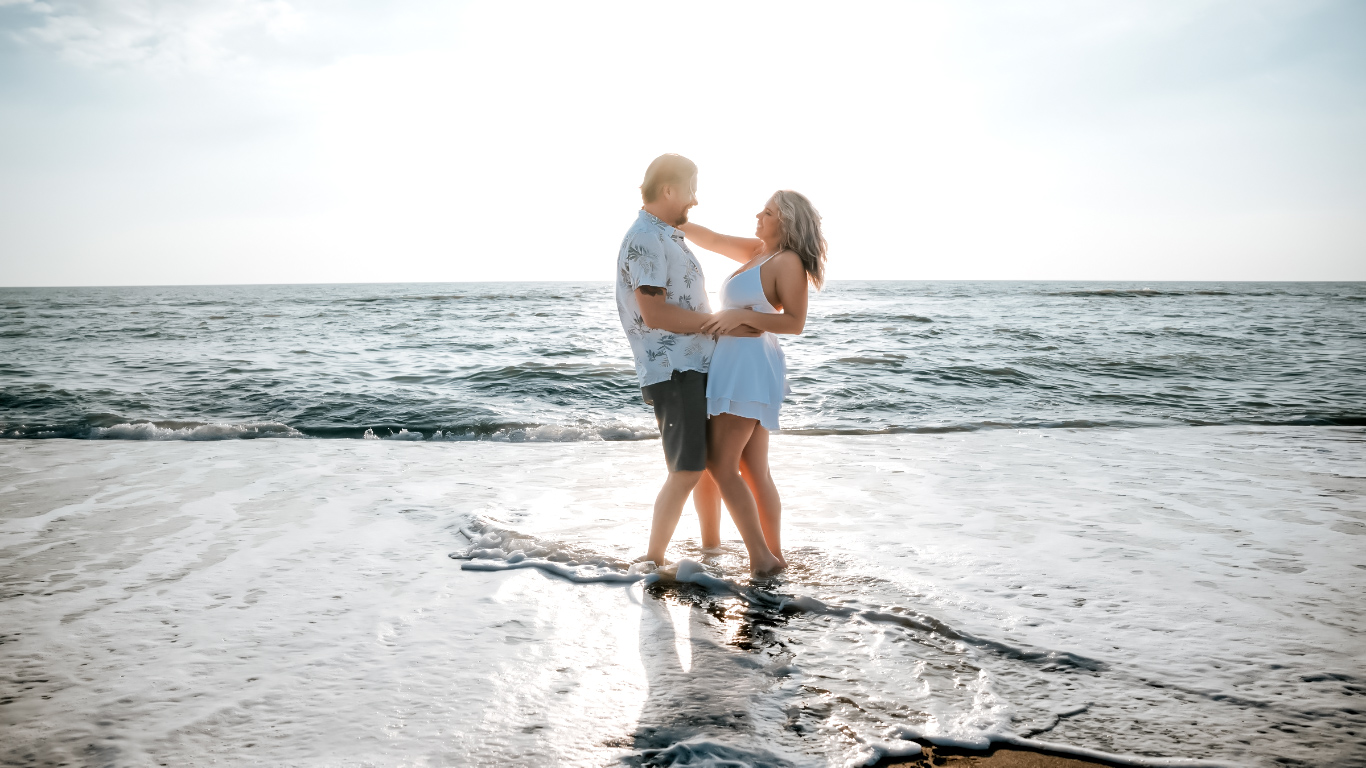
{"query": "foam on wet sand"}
pixel 1162 595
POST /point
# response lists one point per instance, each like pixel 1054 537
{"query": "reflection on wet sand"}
pixel 710 671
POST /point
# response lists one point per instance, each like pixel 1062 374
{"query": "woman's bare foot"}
pixel 766 569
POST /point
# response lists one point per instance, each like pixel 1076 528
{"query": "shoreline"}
pixel 622 432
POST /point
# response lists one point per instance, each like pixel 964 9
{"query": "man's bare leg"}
pixel 727 435
pixel 668 508
pixel 706 499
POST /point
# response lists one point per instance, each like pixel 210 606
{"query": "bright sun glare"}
pixel 276 142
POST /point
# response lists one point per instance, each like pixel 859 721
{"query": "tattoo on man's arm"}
pixel 651 290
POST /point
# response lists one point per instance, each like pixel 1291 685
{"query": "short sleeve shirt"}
pixel 653 253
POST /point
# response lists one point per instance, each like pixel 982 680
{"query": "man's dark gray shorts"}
pixel 681 410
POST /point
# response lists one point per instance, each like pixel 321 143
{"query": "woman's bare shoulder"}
pixel 788 261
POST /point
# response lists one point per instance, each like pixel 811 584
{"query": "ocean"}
pixel 547 361
pixel 1112 520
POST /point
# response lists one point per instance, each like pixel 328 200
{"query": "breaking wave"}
pixel 149 431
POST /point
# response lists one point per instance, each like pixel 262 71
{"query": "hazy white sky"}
pixel 265 141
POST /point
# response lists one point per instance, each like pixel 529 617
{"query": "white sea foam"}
pixel 148 431
pixel 404 434
pixel 901 742
pixel 549 433
pixel 553 433
pixel 707 753
pixel 579 574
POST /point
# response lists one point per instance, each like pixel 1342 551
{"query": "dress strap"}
pixel 755 268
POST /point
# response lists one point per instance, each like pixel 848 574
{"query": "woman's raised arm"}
pixel 740 249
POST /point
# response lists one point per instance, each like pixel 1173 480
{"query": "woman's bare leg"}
pixel 754 468
pixel 706 499
pixel 727 435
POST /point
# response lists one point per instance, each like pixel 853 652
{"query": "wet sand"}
pixel 293 602
pixel 1000 757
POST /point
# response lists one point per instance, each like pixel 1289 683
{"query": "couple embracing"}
pixel 716 381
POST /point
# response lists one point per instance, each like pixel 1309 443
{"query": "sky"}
pixel 302 141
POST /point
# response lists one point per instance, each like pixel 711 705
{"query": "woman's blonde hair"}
pixel 802 233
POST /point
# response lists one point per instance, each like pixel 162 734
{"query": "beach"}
pixel 316 453
pixel 1152 595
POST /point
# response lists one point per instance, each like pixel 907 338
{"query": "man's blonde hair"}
pixel 666 169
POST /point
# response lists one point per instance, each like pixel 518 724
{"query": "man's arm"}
pixel 658 313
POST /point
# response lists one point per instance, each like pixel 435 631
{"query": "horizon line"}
pixel 608 282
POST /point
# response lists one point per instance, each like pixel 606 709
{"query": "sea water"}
pixel 1062 556
pixel 548 361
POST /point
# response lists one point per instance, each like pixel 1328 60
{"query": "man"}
pixel 662 300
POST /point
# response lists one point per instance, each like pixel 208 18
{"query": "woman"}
pixel 748 376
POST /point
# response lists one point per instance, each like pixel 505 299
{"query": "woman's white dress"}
pixel 748 376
